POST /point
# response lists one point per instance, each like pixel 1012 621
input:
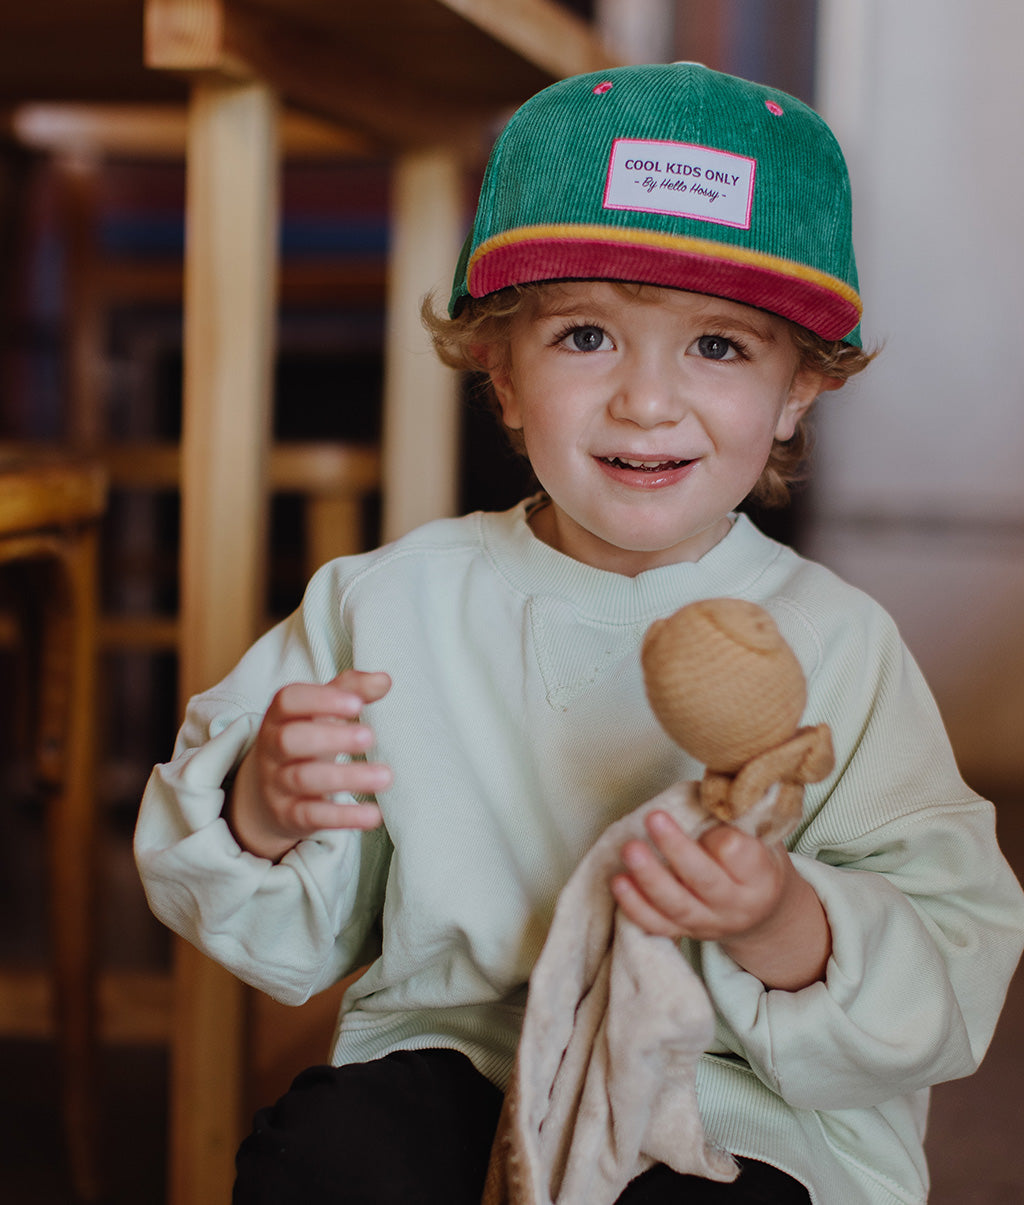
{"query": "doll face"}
pixel 648 416
pixel 704 667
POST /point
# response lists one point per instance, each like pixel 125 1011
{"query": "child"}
pixel 659 282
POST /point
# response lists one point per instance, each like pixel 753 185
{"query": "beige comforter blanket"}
pixel 615 1022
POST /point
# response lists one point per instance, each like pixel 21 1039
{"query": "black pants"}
pixel 416 1128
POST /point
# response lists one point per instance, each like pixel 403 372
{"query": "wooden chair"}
pixel 49 511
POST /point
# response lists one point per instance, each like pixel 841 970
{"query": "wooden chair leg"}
pixel 71 846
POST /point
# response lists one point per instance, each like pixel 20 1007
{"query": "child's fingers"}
pixel 367 686
pixel 721 885
pixel 314 700
pixel 688 860
pixel 743 857
pixel 310 779
pixel 659 886
pixel 313 815
pixel 323 738
pixel 343 697
pixel 640 911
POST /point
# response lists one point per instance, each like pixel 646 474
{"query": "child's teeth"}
pixel 644 464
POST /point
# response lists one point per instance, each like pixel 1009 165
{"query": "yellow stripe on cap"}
pixel 654 240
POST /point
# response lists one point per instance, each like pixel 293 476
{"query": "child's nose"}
pixel 649 394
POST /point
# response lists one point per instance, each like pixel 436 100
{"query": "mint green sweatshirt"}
pixel 518 729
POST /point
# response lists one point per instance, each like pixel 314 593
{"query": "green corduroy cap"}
pixel 676 175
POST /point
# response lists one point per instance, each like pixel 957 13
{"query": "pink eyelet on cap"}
pixel 772 107
pixel 603 87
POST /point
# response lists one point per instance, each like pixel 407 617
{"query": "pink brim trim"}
pixel 803 301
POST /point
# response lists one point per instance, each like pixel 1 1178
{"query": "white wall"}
pixel 920 467
pixel 637 31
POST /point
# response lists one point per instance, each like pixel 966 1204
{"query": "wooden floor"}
pixel 974 1143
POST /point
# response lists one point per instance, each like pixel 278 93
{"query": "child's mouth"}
pixel 645 466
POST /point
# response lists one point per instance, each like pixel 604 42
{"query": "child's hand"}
pixel 280 794
pixel 731 888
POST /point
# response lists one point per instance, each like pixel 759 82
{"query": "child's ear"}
pixel 501 382
pixel 807 385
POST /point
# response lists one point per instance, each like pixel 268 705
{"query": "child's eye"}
pixel 585 338
pixel 716 347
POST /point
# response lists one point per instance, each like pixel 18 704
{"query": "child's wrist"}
pixel 789 950
pixel 241 813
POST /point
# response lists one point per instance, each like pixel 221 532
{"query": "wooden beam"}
pixel 420 439
pixel 188 35
pixel 322 70
pixel 77 179
pixel 123 632
pixel 484 56
pixel 314 65
pixel 156 132
pixel 66 50
pixel 133 1007
pixel 230 296
pixel 317 469
pixel 545 34
pixel 453 66
pixel 230 290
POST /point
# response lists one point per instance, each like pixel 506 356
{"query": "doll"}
pixel 729 690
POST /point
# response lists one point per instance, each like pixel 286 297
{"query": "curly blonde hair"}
pixel 477 340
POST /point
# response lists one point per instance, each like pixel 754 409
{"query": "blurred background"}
pixel 916 494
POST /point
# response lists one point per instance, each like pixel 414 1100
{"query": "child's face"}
pixel 647 418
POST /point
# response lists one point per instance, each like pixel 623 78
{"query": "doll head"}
pixel 723 682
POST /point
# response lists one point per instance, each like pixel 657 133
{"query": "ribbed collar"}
pixel 532 567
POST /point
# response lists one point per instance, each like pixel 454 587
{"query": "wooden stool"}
pixel 49 511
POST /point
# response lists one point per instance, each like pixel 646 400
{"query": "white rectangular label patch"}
pixel 681 179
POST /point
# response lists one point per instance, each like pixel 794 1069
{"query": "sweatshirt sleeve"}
pixel 927 918
pixel 291 928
